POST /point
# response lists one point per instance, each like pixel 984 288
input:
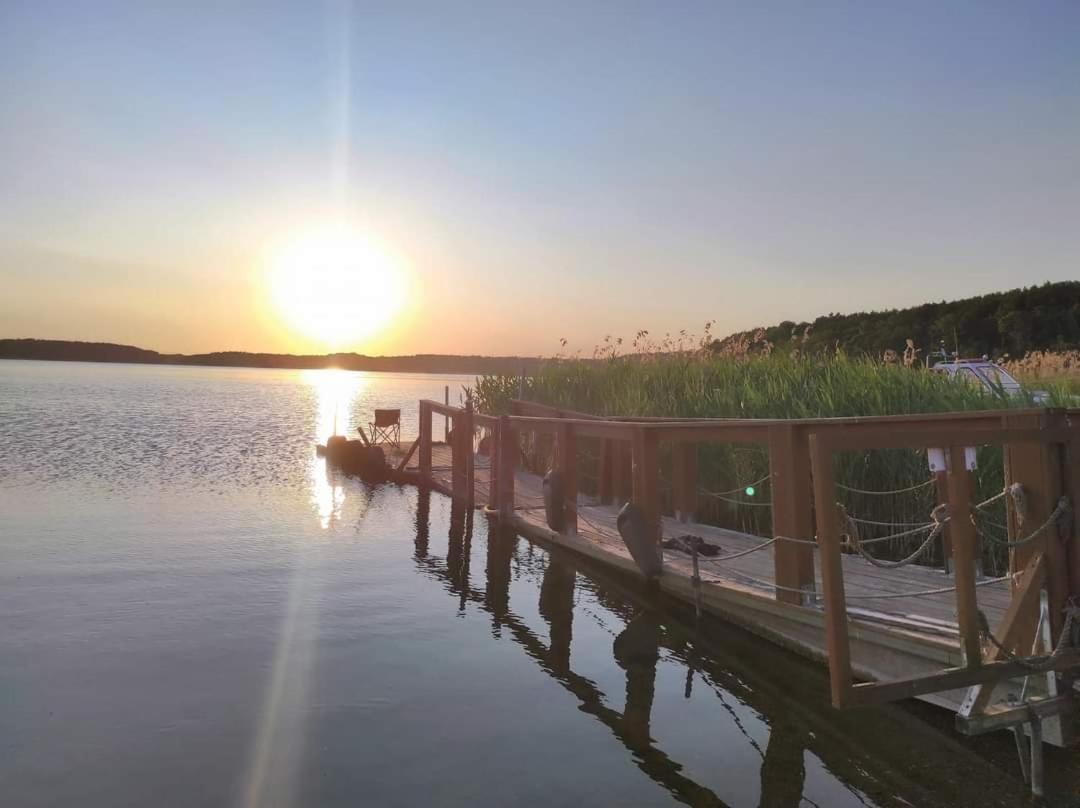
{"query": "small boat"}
pixel 355 457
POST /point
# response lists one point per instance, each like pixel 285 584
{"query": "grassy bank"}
pixel 699 385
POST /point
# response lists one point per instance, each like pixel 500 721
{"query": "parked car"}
pixel 992 378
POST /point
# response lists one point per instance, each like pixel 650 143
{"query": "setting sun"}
pixel 335 287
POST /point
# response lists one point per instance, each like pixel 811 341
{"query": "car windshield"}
pixel 999 377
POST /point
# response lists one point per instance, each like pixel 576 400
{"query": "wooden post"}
pixel 446 418
pixel 646 474
pixel 567 449
pixel 457 461
pixel 1038 468
pixel 1071 474
pixel 941 488
pixel 468 455
pixel 425 442
pixel 963 548
pixel 493 467
pixel 685 481
pixel 607 471
pixel 508 451
pixel 792 512
pixel 832 572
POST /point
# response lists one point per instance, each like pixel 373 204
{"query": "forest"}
pixel 1013 323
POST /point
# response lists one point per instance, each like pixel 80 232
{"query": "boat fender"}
pixel 639 540
pixel 554 503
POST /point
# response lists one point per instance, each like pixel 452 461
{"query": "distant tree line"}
pixel 1045 317
pixel 67 351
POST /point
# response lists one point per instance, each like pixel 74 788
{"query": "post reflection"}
pixel 742 678
pixel 557 608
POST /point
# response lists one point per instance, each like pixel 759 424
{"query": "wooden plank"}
pixel 1012 626
pixel 963 547
pixel 646 475
pixel 567 450
pixel 685 481
pixel 832 573
pixel 792 512
pixel 424 462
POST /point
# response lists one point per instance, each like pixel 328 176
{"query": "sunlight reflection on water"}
pixel 336 392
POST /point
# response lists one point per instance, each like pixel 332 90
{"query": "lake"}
pixel 194 610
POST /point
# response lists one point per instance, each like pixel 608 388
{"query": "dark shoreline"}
pixel 111 353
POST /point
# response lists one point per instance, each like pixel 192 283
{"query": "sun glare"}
pixel 336 288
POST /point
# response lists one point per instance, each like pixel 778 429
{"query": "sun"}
pixel 335 287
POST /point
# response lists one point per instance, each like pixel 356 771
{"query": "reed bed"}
pixel 700 385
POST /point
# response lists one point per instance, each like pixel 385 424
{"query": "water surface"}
pixel 196 611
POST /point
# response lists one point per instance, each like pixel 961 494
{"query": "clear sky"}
pixel 526 171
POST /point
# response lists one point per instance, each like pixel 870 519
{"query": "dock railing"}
pixel 1042 460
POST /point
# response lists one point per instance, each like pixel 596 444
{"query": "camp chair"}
pixel 386 427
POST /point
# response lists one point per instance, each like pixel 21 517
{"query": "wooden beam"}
pixel 567 450
pixel 792 511
pixel 963 548
pixel 646 476
pixel 1012 627
pixel 869 693
pixel 408 455
pixel 832 572
pixel 685 481
pixel 424 460
pixel 1004 717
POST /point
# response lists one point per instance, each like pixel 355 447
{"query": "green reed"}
pixel 694 385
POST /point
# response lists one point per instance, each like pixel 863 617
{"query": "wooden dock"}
pixel 886 634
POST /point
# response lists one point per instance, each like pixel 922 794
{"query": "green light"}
pixel 749 490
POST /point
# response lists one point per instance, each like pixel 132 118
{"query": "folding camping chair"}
pixel 386 427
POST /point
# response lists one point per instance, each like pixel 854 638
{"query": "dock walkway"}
pixel 886 634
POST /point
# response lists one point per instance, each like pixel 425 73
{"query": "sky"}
pixel 529 171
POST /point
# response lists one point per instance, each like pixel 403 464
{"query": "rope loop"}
pixel 1061 517
pixel 1037 664
pixel 939 517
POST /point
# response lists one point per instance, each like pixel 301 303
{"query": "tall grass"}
pixel 768 386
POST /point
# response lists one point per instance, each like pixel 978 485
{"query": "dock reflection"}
pixel 867 752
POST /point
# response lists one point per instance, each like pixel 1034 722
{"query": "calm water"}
pixel 195 611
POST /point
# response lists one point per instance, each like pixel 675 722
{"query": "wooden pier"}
pixel 953 638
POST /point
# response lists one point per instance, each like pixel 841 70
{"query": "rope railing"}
pixel 892 492
pixel 738 489
pixel 912 593
pixel 732 500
